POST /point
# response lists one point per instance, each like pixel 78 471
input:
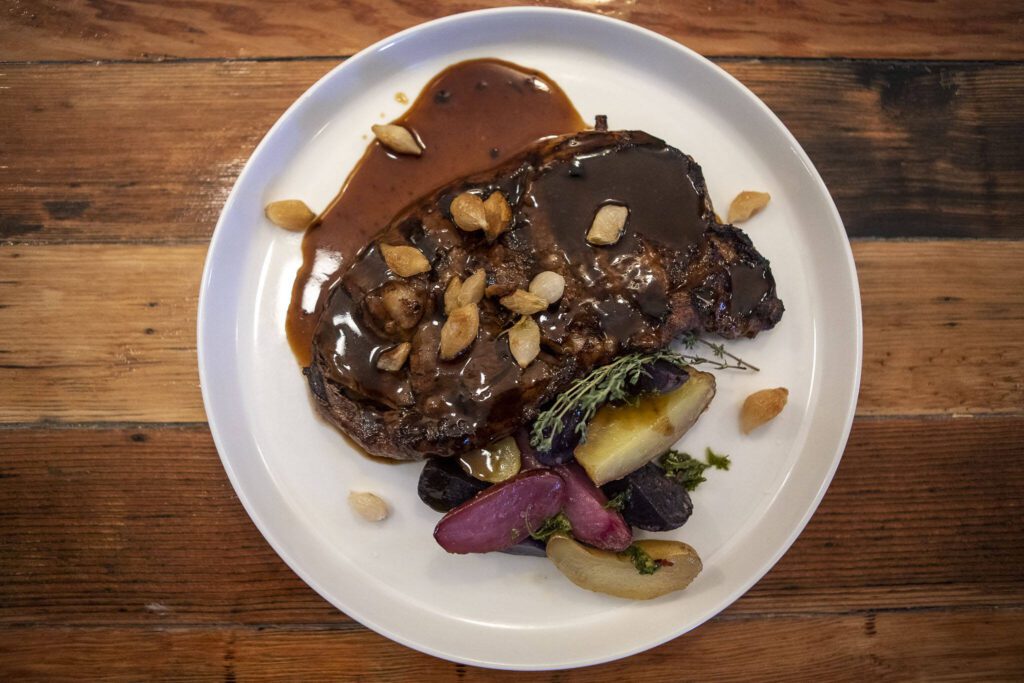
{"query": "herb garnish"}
pixel 644 563
pixel 552 525
pixel 690 340
pixel 688 471
pixel 619 501
pixel 613 382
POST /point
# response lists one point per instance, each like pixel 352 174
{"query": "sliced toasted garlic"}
pixel 472 289
pixel 499 290
pixel 746 204
pixel 369 506
pixel 402 304
pixel 524 341
pixel 762 406
pixel 468 212
pixel 403 260
pixel 290 214
pixel 523 303
pixel 451 294
pixel 459 331
pixel 548 285
pixel 394 358
pixel 397 139
pixel 608 224
pixel 499 215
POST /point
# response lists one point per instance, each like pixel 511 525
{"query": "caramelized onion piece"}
pixel 394 358
pixel 762 406
pixel 397 139
pixel 290 214
pixel 499 215
pixel 403 260
pixel 468 212
pixel 609 222
pixel 369 506
pixel 459 331
pixel 746 204
pixel 523 303
pixel 524 341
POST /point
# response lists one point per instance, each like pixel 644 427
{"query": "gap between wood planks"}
pixel 724 59
pixel 941 328
pixel 904 524
pixel 797 28
pixel 725 616
pixel 884 136
pixel 968 645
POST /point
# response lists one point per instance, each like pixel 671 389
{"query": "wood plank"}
pixel 917 298
pixel 99 333
pixel 906 149
pixel 972 645
pixel 134 29
pixel 942 331
pixel 140 526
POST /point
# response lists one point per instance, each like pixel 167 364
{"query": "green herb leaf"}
pixel 644 563
pixel 619 501
pixel 684 469
pixel 613 382
pixel 717 460
pixel 552 525
pixel 688 471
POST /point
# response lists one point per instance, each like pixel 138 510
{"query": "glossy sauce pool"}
pixel 472 116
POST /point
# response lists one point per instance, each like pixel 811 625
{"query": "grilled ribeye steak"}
pixel 675 269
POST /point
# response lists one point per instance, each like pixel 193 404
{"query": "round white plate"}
pixel 293 472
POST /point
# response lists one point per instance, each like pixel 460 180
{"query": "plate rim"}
pixel 203 355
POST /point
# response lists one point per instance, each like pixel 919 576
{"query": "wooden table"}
pixel 124 552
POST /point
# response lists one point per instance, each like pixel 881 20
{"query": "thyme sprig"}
pixel 613 382
pixel 721 356
pixel 609 382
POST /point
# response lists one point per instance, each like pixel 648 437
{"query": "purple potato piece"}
pixel 656 503
pixel 527 453
pixel 661 377
pixel 591 521
pixel 564 441
pixel 503 515
pixel 530 547
pixel 444 484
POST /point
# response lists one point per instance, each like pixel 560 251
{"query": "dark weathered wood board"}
pixel 139 526
pixel 149 152
pixel 967 645
pixel 124 553
pixel 135 29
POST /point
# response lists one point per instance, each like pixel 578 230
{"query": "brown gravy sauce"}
pixel 470 117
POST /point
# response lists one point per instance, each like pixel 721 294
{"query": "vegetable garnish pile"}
pixel 595 464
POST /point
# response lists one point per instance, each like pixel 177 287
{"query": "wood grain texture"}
pixel 134 29
pixel 107 333
pixel 140 527
pixel 971 645
pixel 148 153
pixel 99 333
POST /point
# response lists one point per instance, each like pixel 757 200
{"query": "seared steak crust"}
pixel 675 270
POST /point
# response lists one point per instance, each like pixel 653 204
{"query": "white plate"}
pixel 293 472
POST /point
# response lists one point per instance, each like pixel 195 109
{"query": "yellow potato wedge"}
pixel 621 439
